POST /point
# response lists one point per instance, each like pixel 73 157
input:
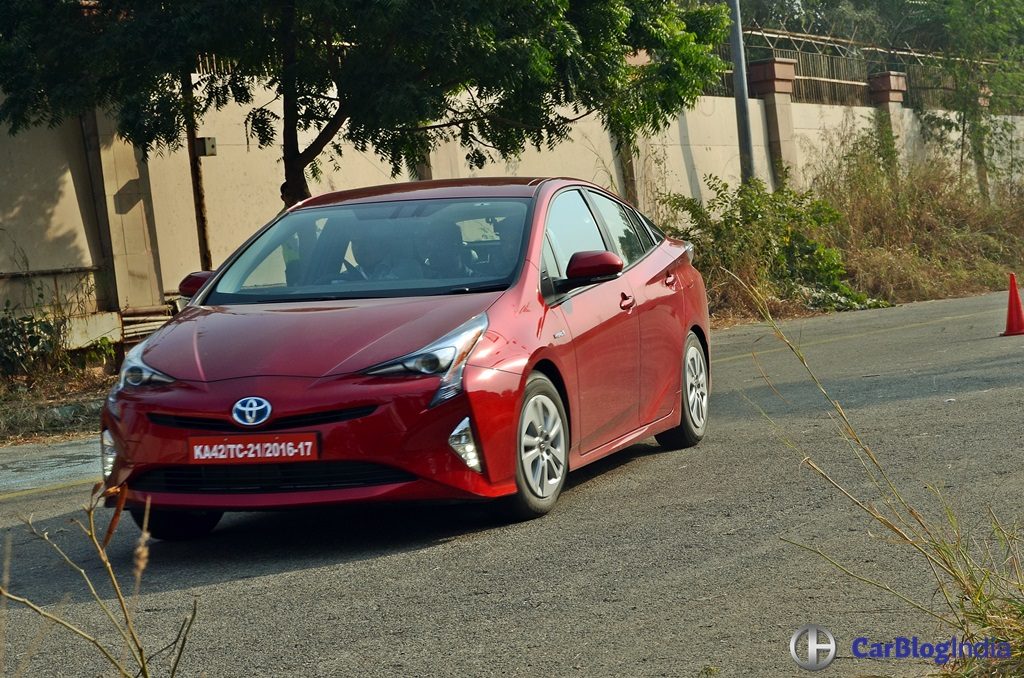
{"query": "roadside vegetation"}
pixel 773 241
pixel 872 229
pixel 46 388
pixel 919 229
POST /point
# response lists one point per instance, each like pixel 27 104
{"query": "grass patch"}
pixel 57 404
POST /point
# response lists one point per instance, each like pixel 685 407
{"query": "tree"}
pixel 396 77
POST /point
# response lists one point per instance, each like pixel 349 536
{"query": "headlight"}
pixel 447 356
pixel 134 372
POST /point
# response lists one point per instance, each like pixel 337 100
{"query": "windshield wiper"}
pixel 493 287
pixel 310 298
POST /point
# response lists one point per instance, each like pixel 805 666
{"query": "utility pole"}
pixel 739 86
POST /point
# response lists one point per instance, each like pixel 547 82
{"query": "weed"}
pixel 916 228
pixel 980 581
pixel 131 657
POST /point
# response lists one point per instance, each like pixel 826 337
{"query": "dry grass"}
pixel 979 579
pixel 52 406
pixel 917 229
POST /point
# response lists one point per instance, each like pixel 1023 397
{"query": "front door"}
pixel 605 329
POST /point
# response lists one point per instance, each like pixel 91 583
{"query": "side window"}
pixel 571 228
pixel 616 218
pixel 655 231
pixel 641 229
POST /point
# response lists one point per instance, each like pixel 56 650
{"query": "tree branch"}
pixel 327 132
pixel 67 625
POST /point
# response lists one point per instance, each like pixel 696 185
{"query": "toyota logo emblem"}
pixel 251 411
pixel 813 661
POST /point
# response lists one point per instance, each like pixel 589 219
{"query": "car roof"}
pixel 480 187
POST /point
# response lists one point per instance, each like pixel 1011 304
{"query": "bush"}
pixel 919 228
pixel 768 239
pixel 32 343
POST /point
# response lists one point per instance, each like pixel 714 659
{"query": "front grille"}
pixel 294 477
pixel 293 421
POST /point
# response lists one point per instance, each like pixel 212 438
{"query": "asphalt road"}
pixel 655 563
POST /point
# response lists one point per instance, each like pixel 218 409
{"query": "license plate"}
pixel 257 448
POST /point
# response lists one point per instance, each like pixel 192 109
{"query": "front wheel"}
pixel 542 449
pixel 177 525
pixel 694 417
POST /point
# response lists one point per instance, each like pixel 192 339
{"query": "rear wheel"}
pixel 542 449
pixel 177 525
pixel 694 418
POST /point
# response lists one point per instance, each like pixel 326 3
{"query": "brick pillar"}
pixel 772 81
pixel 888 89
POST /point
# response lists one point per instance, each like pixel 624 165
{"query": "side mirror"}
pixel 192 282
pixel 587 268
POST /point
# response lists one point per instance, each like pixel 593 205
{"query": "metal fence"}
pixel 835 71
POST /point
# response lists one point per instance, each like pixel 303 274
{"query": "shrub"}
pixel 31 343
pixel 768 238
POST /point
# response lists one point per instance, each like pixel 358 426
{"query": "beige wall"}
pixel 818 129
pixel 47 219
pixel 587 155
pixel 703 141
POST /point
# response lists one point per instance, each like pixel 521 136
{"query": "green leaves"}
pixel 396 77
pixel 772 240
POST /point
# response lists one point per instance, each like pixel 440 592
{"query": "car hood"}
pixel 311 339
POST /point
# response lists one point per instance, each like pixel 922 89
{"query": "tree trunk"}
pixel 295 189
pixel 196 171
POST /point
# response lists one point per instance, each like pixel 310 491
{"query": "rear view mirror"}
pixel 192 282
pixel 587 268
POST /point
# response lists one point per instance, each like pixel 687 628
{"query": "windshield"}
pixel 392 249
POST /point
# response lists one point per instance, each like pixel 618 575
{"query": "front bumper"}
pixel 379 441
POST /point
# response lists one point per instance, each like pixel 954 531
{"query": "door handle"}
pixel 626 302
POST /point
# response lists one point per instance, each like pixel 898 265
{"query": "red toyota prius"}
pixel 463 339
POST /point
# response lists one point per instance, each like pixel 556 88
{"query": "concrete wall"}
pixel 703 141
pixel 818 130
pixel 47 215
pixel 587 155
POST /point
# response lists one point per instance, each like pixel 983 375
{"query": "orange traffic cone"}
pixel 1014 312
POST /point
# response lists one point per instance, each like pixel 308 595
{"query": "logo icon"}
pixel 813 661
pixel 251 411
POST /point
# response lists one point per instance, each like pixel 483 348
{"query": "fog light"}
pixel 108 452
pixel 462 443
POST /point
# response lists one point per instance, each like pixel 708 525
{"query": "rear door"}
pixel 651 275
pixel 602 320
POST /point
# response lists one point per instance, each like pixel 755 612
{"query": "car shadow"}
pixel 250 545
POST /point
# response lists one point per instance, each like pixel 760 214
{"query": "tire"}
pixel 542 449
pixel 177 525
pixel 694 402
